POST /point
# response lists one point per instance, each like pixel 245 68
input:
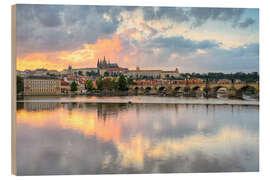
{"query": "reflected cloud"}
pixel 226 142
pixel 86 122
pixel 139 138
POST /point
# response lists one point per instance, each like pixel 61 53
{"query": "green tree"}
pixel 108 84
pixel 130 81
pixel 89 85
pixel 73 86
pixel 51 75
pixel 80 73
pixel 99 83
pixel 19 82
pixel 122 82
pixel 115 84
pixel 250 80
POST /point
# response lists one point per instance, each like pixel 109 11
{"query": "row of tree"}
pixel 120 83
pixel 106 84
pixel 19 81
pixel 248 77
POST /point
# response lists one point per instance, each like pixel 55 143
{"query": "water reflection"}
pixel 85 138
pixel 138 99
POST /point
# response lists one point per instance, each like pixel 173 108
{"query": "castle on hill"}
pixel 106 68
pixel 103 64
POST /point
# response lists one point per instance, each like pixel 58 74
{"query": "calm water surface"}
pixel 140 99
pixel 156 135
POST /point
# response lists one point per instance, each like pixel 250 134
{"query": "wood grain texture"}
pixel 13 90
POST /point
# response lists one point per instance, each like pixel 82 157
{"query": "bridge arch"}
pixel 178 88
pixel 248 88
pixel 162 88
pixel 209 90
pixel 217 88
pixel 196 88
pixel 148 88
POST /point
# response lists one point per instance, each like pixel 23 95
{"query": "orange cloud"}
pixel 38 60
pixel 84 122
pixel 106 47
pixel 132 33
pixel 134 151
pixel 83 57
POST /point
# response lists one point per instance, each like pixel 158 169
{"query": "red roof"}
pixel 53 71
pixel 71 78
pixel 64 83
pixel 116 69
pixel 145 70
pixel 169 71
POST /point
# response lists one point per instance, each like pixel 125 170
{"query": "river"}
pixel 136 134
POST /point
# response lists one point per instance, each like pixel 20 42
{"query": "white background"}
pixel 5 86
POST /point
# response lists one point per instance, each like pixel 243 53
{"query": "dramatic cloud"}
pixel 193 39
pixel 182 45
pixel 48 16
pixel 197 16
pixel 248 22
pixel 42 28
pixel 244 58
pixel 83 57
pixel 174 13
pixel 201 15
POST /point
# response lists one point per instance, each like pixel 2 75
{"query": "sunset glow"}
pixel 191 39
pixel 83 122
pixel 82 57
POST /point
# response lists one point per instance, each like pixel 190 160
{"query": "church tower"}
pixel 104 60
pixel 98 65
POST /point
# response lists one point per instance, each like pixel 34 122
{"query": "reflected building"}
pixel 39 106
pixel 124 137
pixel 106 111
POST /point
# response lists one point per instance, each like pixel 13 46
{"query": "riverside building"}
pixel 41 85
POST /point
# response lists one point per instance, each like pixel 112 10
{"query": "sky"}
pixel 191 39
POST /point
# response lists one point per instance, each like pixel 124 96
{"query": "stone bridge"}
pixel 191 88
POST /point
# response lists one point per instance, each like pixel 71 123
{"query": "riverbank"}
pixel 138 99
pixel 107 93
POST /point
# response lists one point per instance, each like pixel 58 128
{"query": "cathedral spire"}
pixel 104 60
